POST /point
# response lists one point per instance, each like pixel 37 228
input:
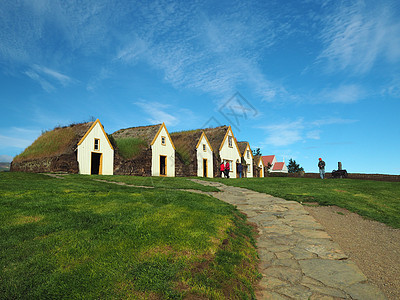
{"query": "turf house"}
pixel 259 168
pixel 194 154
pixel 247 158
pixel 144 151
pixel 225 148
pixel 79 148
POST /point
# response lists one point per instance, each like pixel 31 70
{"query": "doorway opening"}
pixel 96 164
pixel 204 167
pixel 163 165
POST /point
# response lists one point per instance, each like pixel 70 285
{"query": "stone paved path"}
pixel 299 260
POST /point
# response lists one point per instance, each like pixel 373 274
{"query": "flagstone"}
pixel 333 273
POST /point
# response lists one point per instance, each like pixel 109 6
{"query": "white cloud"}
pixel 215 54
pixel 288 133
pixel 61 78
pixel 44 76
pixel 358 34
pixel 349 93
pixel 285 133
pixel 313 135
pixel 332 121
pixel 157 112
pixel 47 86
pixel 392 89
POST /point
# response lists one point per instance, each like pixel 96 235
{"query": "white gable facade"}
pixel 205 158
pixel 261 166
pixel 163 154
pixel 229 151
pixel 248 157
pixel 279 167
pixel 95 153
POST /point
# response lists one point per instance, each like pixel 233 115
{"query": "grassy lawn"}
pixel 376 200
pixel 78 238
pixel 159 182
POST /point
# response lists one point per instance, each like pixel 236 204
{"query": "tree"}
pixel 293 167
pixel 257 152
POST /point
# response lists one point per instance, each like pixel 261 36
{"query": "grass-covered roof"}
pixel 144 133
pixel 132 141
pixel 216 136
pixel 256 159
pixel 185 143
pixel 60 140
pixel 242 147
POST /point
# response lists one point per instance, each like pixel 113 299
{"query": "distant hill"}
pixel 4 166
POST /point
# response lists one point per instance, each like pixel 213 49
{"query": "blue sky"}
pixel 299 79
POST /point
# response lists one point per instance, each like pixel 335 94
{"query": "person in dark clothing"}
pixel 227 169
pixel 321 166
pixel 240 170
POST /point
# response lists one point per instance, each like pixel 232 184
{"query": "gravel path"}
pixel 373 246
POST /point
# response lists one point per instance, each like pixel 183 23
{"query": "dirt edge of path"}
pixel 373 246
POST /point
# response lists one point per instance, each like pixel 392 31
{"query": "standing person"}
pixel 321 166
pixel 222 168
pixel 240 170
pixel 227 169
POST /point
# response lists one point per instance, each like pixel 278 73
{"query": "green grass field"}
pixel 159 182
pixel 376 200
pixel 78 238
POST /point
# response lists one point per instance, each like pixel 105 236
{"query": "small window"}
pixel 248 153
pixel 230 141
pixel 96 144
pixel 204 147
pixel 163 140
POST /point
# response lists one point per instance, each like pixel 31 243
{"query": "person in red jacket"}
pixel 222 168
pixel 227 169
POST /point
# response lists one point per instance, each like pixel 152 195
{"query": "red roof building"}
pixel 275 165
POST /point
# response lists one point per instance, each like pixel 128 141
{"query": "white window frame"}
pixel 98 145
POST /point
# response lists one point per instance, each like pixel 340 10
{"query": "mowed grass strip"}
pixel 377 200
pixel 159 182
pixel 78 238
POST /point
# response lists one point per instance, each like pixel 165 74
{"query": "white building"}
pixel 205 157
pixel 95 154
pixel 163 154
pixel 247 159
pixel 153 152
pixel 222 140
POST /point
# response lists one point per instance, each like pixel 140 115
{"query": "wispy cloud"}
pixel 61 78
pixel 47 78
pixel 157 112
pixel 47 86
pixel 332 121
pixel 392 89
pixel 359 33
pixel 291 132
pixel 346 93
pixel 284 134
pixel 215 54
